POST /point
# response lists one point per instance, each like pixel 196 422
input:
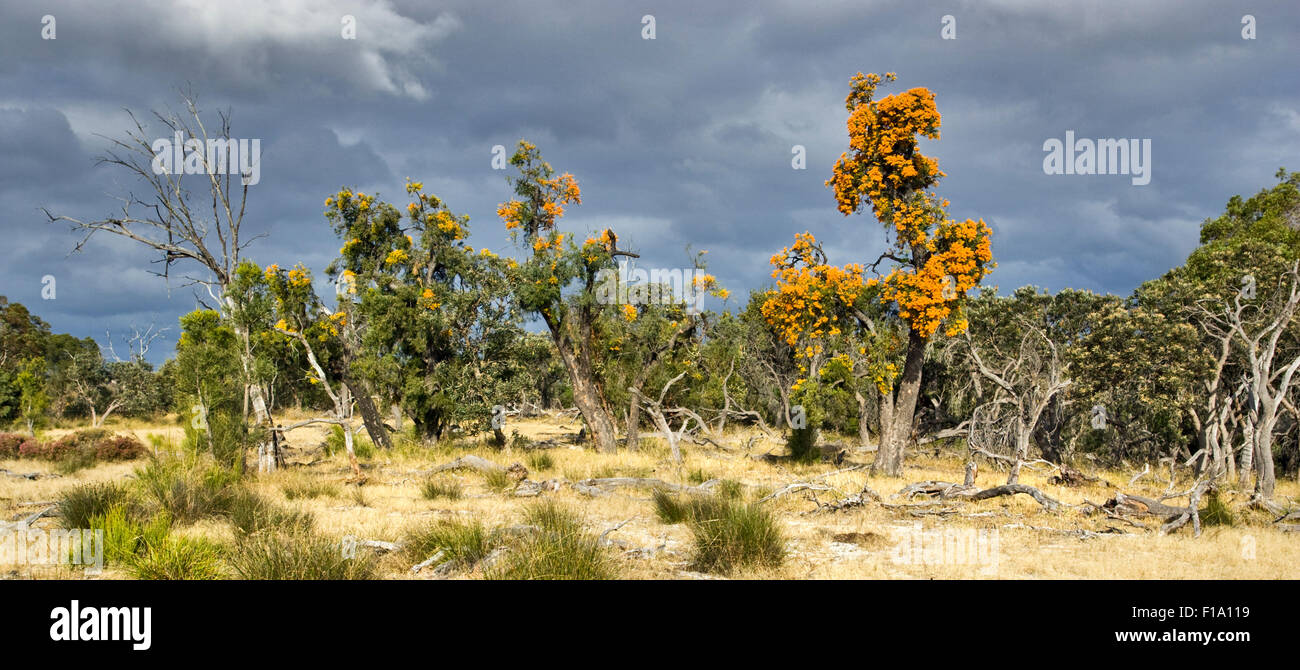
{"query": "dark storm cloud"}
pixel 683 140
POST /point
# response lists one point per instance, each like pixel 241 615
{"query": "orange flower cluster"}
pixel 941 259
pixel 809 294
pixel 926 296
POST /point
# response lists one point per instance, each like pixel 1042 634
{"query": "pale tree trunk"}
pixel 586 395
pixel 889 459
pixel 864 420
pixel 633 423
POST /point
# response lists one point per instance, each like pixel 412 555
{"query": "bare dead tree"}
pixel 1026 385
pixel 194 230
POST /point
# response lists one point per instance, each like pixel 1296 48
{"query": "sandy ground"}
pixel 1006 537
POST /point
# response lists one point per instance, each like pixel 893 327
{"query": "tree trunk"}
pixel 889 459
pixel 633 423
pixel 586 395
pixel 369 413
pixel 864 429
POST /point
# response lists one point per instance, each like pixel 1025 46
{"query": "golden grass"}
pixel 860 543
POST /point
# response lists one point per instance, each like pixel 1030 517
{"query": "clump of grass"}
pixel 562 549
pixel 465 542
pixel 730 534
pixel 698 476
pixel 439 488
pixel 126 535
pixel 178 558
pixel 251 513
pixel 296 555
pixel 541 461
pixel 730 489
pixel 498 481
pixel 359 497
pixel 79 505
pixel 671 509
pixel 310 490
pixel 1216 513
pixel 187 489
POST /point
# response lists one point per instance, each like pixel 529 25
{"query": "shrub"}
pixel 464 542
pixel 119 448
pixel 296 555
pixel 178 558
pixel 731 534
pixel 435 488
pixel 12 443
pixel 803 445
pixel 81 504
pixel 562 549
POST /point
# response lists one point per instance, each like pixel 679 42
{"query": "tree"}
pixel 555 263
pixel 32 399
pixel 430 320
pixel 936 259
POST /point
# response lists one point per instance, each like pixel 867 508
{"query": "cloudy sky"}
pixel 680 141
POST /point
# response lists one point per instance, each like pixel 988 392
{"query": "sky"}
pixel 681 143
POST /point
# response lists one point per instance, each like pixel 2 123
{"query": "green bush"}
pixel 361 444
pixel 1216 513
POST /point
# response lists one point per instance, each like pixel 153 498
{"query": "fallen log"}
pixel 1131 505
pixel 469 462
pixel 1043 499
pixel 27 475
pixel 600 484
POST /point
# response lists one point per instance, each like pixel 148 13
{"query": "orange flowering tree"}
pixel 558 281
pixel 828 316
pixel 935 260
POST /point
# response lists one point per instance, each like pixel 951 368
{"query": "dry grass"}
pixel 870 542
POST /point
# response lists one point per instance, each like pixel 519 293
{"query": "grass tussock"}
pixel 541 461
pixel 728 532
pixel 177 558
pixel 272 555
pixel 561 549
pixel 1216 513
pixel 80 504
pixel 498 481
pixel 187 489
pixel 251 513
pixel 438 488
pixel 465 542
pixel 308 490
